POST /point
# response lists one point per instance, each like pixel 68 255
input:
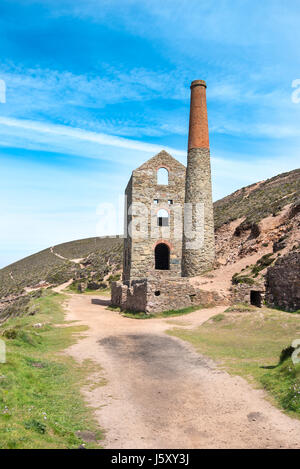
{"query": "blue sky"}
pixel 96 87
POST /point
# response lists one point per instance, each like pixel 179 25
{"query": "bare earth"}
pixel 161 394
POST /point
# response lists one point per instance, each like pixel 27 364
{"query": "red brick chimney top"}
pixel 198 129
pixel 198 83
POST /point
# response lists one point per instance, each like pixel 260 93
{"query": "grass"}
pixel 236 279
pixel 249 344
pixel 44 265
pixel 267 199
pixel 104 255
pixel 218 317
pixel 163 314
pixel 241 308
pixel 72 289
pixel 40 401
pixel 249 274
pixel 106 292
pixel 262 263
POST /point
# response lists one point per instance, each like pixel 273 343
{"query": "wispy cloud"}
pixel 74 141
pixel 75 100
pixel 41 133
pixel 83 115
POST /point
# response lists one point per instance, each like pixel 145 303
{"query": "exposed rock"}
pixel 246 226
pixel 279 245
pixel 295 209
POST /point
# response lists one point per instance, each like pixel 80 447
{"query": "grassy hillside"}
pixel 46 266
pixel 255 344
pixel 101 256
pixel 40 402
pixel 259 200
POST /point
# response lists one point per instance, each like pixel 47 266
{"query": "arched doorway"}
pixel 162 257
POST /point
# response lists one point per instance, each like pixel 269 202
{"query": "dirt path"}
pixel 76 261
pixel 162 394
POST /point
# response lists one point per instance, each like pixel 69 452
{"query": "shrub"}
pixel 218 317
pixel 237 279
pixel 262 263
pixel 35 425
pixel 114 278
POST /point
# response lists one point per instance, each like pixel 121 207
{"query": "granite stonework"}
pixel 283 282
pixel 241 293
pixel 161 250
pixel 199 254
pixel 154 296
pixel 142 232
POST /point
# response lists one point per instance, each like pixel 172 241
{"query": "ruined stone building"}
pixel 169 229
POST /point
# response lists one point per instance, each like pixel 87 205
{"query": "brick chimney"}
pixel 198 253
pixel 198 131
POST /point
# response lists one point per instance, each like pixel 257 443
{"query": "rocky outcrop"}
pixel 283 282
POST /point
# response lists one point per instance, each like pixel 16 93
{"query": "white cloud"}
pixel 230 170
pixel 71 214
pixel 51 137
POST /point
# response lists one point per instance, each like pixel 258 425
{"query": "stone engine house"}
pixel 169 230
pixel 157 247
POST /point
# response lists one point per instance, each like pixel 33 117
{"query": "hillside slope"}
pixel 258 228
pixel 59 263
pixel 259 200
pixel 248 221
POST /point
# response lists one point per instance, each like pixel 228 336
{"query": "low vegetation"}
pixel 100 256
pixel 249 275
pixel 262 263
pixel 258 201
pixel 100 292
pixel 250 344
pixel 236 279
pixel 24 305
pixel 40 401
pixel 164 314
pixel 241 308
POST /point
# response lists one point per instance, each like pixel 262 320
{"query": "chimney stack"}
pixel 198 129
pixel 198 251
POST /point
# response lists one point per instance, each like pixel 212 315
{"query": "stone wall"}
pixel 154 296
pixel 283 282
pixel 198 258
pixel 130 296
pixel 241 293
pixel 142 190
pixel 127 247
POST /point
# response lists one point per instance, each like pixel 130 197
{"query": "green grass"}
pixel 40 401
pixel 104 255
pixel 236 279
pixel 266 199
pixel 163 314
pixel 106 292
pixel 72 289
pixel 218 317
pixel 249 344
pixel 44 265
pixel 241 308
pixel 262 263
